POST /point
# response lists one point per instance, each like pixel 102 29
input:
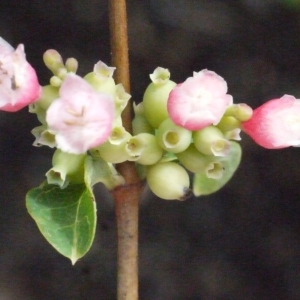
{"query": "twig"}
pixel 126 197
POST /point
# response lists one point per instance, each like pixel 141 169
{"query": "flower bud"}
pixel 139 123
pixel 210 141
pixel 53 61
pixel 193 160
pixel 101 78
pixel 276 123
pixel 72 64
pixel 196 162
pixel 48 95
pixel 173 138
pixel 67 168
pixel 156 96
pixel 121 99
pixel 43 137
pixel 18 79
pixel 242 112
pixel 113 150
pixel 169 181
pixel 228 123
pixel 144 149
pixel 55 81
pixel 233 134
pixel 214 170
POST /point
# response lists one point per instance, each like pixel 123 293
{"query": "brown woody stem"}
pixel 126 197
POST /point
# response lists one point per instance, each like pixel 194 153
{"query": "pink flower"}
pixel 199 101
pixel 19 85
pixel 276 123
pixel 81 118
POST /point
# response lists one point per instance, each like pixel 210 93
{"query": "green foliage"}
pixel 203 185
pixel 65 217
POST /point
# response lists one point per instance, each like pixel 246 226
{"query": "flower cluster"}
pixel 177 128
pixel 193 123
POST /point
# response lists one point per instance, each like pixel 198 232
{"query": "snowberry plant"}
pixel 183 140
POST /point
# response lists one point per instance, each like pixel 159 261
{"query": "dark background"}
pixel 240 243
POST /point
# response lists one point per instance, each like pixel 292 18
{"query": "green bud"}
pixel 71 65
pixel 169 181
pixel 173 138
pixel 61 73
pixel 144 149
pixel 214 170
pixel 233 134
pixel 242 112
pixel 197 162
pixel 118 135
pixel 139 123
pixel 49 94
pixel 156 96
pixel 53 61
pixel 210 141
pixel 113 150
pixel 55 81
pixel 43 137
pixel 121 99
pixel 193 160
pixel 67 168
pixel 101 79
pixel 228 123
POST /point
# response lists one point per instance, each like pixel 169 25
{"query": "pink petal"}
pixel 19 85
pixel 199 101
pixel 81 118
pixel 276 123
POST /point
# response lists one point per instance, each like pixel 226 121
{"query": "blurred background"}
pixel 240 243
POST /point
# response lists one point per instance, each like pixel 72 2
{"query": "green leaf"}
pixel 65 217
pixel 202 185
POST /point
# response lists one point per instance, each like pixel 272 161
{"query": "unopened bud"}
pixel 228 123
pixel 173 138
pixel 242 112
pixel 101 79
pixel 143 149
pixel 43 137
pixel 48 95
pixel 139 123
pixel 113 150
pixel 67 168
pixel 71 65
pixel 53 60
pixel 156 96
pixel 210 141
pixel 169 181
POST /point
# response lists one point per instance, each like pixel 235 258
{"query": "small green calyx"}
pixel 156 97
pixel 67 168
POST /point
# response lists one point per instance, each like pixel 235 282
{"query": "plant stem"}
pixel 127 196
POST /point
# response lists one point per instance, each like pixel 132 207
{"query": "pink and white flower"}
pixel 200 101
pixel 80 118
pixel 19 85
pixel 276 123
